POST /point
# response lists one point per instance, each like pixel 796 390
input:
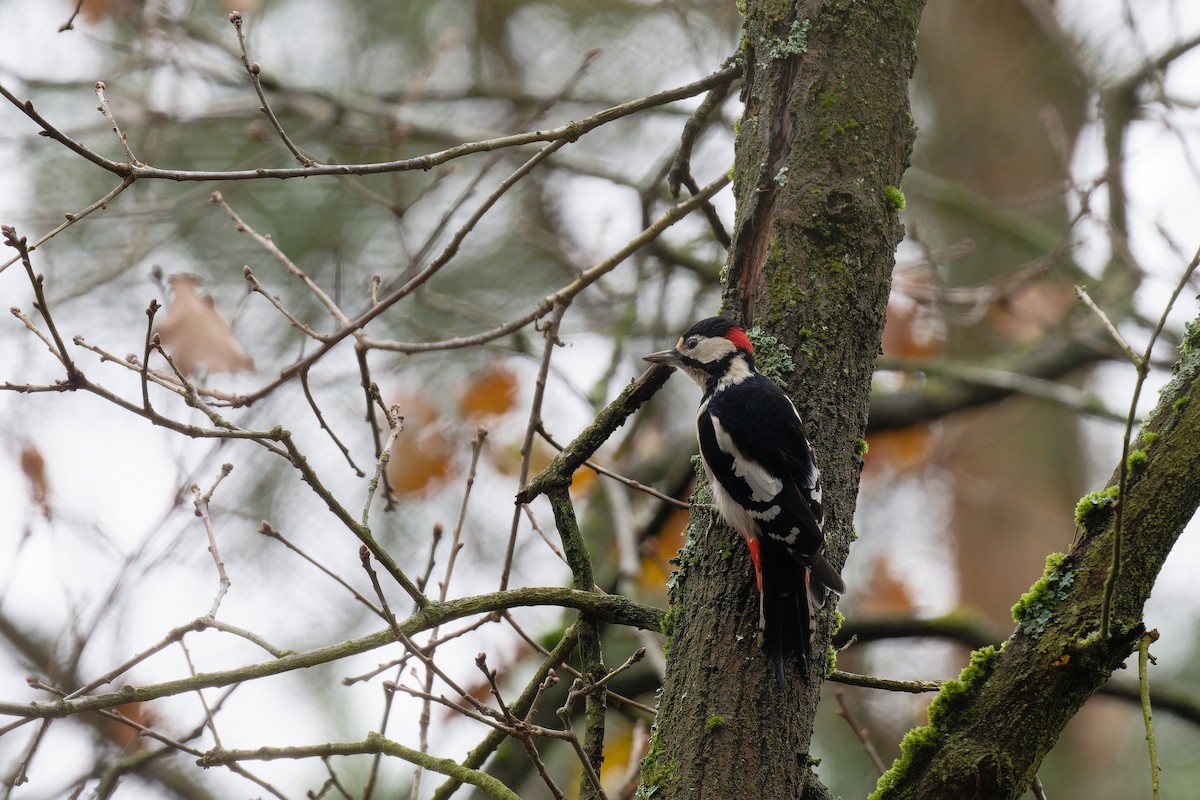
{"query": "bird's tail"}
pixel 792 593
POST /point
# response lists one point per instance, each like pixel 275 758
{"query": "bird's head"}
pixel 709 350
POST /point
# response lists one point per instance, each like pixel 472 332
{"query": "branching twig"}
pixel 72 218
pixel 37 279
pixel 630 482
pixel 268 243
pixel 395 428
pixel 253 69
pixel 569 132
pixel 864 736
pixel 550 332
pixel 201 502
pixel 122 137
pixel 1143 370
pixel 374 743
pixel 266 530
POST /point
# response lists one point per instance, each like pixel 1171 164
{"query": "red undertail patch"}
pixel 756 557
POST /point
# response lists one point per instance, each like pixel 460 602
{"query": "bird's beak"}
pixel 668 357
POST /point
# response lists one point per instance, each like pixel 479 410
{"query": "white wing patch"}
pixel 763 485
pixel 766 516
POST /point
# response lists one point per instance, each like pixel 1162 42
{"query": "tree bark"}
pixel 823 144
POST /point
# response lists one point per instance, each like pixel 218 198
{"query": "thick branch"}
pixel 608 608
pixel 990 730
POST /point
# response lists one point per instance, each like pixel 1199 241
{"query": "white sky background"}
pixel 125 501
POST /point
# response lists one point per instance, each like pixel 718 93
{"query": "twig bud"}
pixel 235 17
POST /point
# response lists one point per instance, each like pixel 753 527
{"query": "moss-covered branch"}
pixel 559 471
pixel 374 743
pixel 990 730
pixel 590 657
pixel 609 608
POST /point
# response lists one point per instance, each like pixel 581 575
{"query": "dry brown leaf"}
pixel 1034 309
pixel 127 737
pixel 195 334
pixel 34 467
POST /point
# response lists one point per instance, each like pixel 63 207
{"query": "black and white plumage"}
pixel 765 481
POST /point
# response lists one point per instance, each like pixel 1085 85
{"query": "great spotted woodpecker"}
pixel 764 479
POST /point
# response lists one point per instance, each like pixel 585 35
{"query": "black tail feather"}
pixel 787 610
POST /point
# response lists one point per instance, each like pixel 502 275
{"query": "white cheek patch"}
pixel 763 485
pixel 738 371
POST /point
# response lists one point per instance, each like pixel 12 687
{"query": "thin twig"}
pixel 253 69
pixel 22 775
pixel 268 243
pixel 151 310
pixel 630 482
pixel 1148 638
pixel 201 502
pixel 37 279
pixel 69 25
pixel 312 403
pixel 266 530
pixel 864 736
pixel 569 132
pixel 208 714
pixel 564 713
pixel 550 331
pixel 364 556
pixel 72 218
pixel 122 137
pixel 1087 300
pixel 395 426
pixel 277 302
pixel 1143 370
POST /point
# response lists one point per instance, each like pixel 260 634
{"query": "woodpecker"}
pixel 764 479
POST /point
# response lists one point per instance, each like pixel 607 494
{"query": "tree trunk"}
pixel 823 143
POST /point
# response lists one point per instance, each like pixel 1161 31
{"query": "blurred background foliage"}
pixel 1057 146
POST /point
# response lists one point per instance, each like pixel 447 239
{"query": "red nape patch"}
pixel 740 340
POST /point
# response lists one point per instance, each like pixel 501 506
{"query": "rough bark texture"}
pixel 823 143
pixel 990 730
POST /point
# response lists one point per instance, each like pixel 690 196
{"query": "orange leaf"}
pixel 658 551
pixel 421 458
pixel 898 450
pixel 491 392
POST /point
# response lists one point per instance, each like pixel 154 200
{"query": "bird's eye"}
pixel 691 343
